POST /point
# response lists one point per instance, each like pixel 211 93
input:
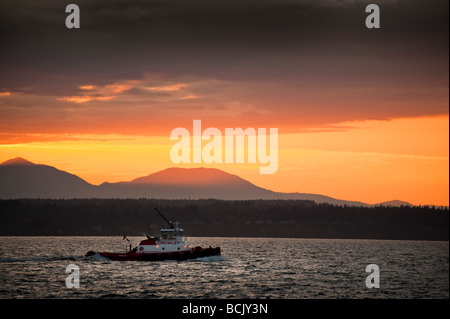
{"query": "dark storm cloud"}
pixel 299 45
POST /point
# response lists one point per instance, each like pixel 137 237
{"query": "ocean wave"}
pixel 209 258
pixel 37 259
pixel 97 256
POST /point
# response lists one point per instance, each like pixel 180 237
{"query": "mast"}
pixel 167 221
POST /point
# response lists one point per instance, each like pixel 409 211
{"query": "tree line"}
pixel 249 218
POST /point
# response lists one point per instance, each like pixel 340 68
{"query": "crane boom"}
pixel 167 221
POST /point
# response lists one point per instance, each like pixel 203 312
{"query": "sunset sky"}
pixel 362 114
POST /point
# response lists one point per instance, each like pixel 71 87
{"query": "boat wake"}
pixel 37 259
pixel 209 259
pixel 96 256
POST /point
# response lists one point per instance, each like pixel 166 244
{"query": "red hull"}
pixel 178 255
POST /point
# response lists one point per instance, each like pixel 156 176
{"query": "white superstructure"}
pixel 170 240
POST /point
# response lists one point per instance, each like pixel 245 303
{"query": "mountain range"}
pixel 20 178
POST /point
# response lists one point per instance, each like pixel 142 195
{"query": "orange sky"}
pixel 362 114
pixel 370 161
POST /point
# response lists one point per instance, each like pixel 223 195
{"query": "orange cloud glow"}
pixel 108 92
pixel 173 87
pixel 86 87
pixel 118 88
pixel 85 98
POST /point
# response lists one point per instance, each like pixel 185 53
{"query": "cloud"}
pixel 172 87
pixel 85 98
pixel 293 64
pixel 86 87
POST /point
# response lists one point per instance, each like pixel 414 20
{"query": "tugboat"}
pixel 170 245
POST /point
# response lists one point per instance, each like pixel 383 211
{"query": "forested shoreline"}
pixel 251 218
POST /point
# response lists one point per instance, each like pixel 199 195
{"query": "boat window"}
pixel 171 233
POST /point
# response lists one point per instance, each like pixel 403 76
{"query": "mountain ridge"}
pixel 20 178
pixel 17 161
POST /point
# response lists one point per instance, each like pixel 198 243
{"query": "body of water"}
pixel 35 267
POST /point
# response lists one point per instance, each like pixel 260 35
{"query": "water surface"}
pixel 34 267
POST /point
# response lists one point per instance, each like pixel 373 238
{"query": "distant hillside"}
pixel 184 183
pixel 20 178
pixel 394 203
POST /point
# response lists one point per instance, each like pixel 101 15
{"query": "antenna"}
pixel 167 221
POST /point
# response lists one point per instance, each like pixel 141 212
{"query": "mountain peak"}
pixel 17 161
pixel 189 176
